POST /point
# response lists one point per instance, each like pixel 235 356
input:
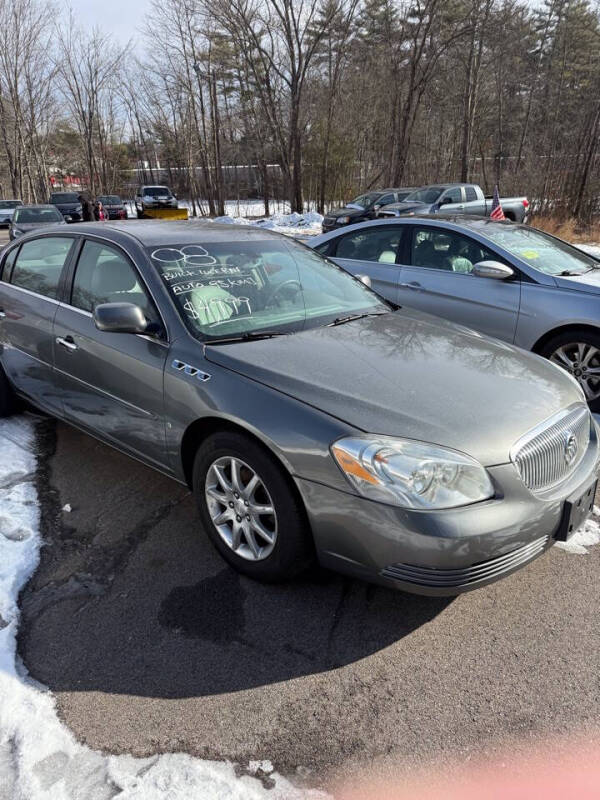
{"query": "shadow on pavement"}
pixel 131 598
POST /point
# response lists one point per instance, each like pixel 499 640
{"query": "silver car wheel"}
pixel 582 361
pixel 241 508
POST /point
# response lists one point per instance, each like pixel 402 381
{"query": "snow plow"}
pixel 164 213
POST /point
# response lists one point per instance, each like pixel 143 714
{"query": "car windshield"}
pixel 10 203
pixel 27 215
pixel 429 195
pixel 365 200
pixel 156 191
pixel 403 195
pixel 67 197
pixel 541 251
pixel 237 288
pixel 110 200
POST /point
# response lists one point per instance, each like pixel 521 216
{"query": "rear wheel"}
pixel 249 508
pixel 578 352
pixel 8 400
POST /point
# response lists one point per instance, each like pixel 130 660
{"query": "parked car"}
pixel 114 207
pixel 154 197
pixel 7 209
pixel 456 198
pixel 363 207
pixel 68 204
pixel 308 416
pixel 29 218
pixel 509 281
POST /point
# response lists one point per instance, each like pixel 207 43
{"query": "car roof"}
pixel 152 233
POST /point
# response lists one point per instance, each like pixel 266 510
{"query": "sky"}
pixel 120 18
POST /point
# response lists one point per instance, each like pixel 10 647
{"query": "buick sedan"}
pixel 310 418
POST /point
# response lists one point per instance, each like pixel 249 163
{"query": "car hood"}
pixel 410 374
pixel 347 211
pixel 589 282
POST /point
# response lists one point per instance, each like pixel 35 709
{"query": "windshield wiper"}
pixel 568 273
pixel 352 317
pixel 248 336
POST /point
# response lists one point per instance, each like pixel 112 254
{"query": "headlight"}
pixel 343 220
pixel 79 209
pixel 17 232
pixel 411 474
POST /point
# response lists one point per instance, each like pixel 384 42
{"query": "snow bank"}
pixel 39 758
pixel 293 224
pixel 592 249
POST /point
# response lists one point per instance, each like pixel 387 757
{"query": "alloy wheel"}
pixel 582 361
pixel 241 508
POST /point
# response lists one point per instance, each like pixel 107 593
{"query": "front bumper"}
pixel 440 552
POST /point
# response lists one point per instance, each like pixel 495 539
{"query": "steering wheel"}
pixel 286 285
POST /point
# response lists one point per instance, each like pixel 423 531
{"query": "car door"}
pixel 112 383
pixel 438 279
pixel 474 205
pixel 372 251
pixel 452 201
pixel 32 279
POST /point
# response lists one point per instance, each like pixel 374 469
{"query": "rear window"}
pixel 26 215
pixel 110 200
pixel 39 264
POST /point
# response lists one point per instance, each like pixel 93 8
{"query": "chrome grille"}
pixel 467 576
pixel 549 453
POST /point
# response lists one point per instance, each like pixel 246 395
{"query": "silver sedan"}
pixel 509 281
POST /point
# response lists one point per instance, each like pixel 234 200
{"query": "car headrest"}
pixel 112 276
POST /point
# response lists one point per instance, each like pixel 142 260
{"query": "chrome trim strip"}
pixel 32 294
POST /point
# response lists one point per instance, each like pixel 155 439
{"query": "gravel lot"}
pixel 150 643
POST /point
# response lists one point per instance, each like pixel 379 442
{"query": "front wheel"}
pixel 578 352
pixel 249 508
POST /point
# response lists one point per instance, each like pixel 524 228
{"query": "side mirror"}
pixel 120 318
pixel 492 269
pixel 445 200
pixel 364 279
pixel 376 206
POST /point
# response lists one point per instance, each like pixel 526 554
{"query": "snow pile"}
pixel 294 224
pixel 587 536
pixel 39 758
pixel 592 249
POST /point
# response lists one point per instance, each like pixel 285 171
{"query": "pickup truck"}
pixel 455 198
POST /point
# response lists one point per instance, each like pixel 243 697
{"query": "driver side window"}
pixel 371 244
pixel 437 248
pixel 105 275
pixel 452 195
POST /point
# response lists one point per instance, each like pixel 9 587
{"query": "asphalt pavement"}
pixel 151 643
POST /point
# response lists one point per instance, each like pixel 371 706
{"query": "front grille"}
pixel 549 453
pixel 455 578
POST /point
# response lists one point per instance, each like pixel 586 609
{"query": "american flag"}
pixel 496 212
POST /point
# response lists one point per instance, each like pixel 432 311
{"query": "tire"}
pixel 8 400
pixel 578 351
pixel 291 549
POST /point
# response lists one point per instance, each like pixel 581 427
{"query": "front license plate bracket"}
pixel 576 510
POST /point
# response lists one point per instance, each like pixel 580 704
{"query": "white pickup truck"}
pixel 455 198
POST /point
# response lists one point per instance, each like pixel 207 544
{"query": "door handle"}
pixel 411 285
pixel 66 342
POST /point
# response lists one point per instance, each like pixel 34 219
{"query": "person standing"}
pixel 87 209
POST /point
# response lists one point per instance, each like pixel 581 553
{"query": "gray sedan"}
pixel 509 281
pixel 309 418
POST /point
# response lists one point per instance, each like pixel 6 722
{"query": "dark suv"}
pixel 68 204
pixel 364 207
pixel 114 207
